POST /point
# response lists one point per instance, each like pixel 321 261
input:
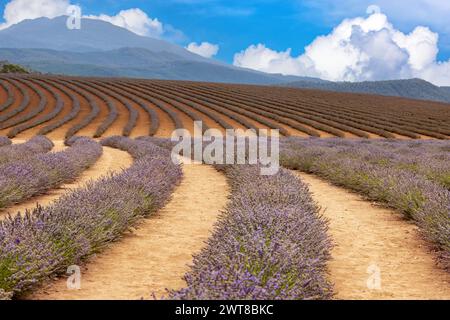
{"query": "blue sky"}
pixel 280 24
pixel 330 39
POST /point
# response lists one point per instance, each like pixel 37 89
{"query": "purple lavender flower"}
pixel 84 221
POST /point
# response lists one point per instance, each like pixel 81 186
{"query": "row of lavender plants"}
pixel 411 177
pixel 270 243
pixel 28 177
pixel 5 141
pixel 81 223
pixel 428 158
pixel 34 146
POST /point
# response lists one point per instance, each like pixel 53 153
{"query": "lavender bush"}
pixel 411 177
pixel 23 179
pixel 430 159
pixel 34 146
pixel 4 141
pixel 270 243
pixel 48 240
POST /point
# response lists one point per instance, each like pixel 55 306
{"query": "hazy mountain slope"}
pixel 412 88
pixel 135 62
pixel 94 35
pixel 102 49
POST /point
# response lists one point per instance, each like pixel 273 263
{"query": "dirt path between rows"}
pixel 376 246
pixel 156 255
pixel 112 160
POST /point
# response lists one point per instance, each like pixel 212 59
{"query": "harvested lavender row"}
pixel 81 223
pixel 133 113
pixel 4 141
pixel 196 106
pixel 95 109
pixel 112 114
pixel 175 104
pixel 59 105
pixel 152 114
pixel 139 93
pixel 390 172
pixel 271 243
pixel 74 111
pixel 33 112
pixel 31 148
pixel 23 105
pixel 10 100
pixel 23 179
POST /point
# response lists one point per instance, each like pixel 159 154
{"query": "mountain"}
pixel 102 49
pixel 410 88
pixel 136 63
pixel 94 35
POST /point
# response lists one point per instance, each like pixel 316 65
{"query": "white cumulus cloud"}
pixel 359 49
pixel 205 49
pixel 134 20
pixel 18 10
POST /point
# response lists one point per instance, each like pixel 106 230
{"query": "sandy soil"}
pixel 372 241
pixel 156 255
pixel 112 160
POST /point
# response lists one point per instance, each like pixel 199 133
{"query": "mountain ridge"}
pixel 102 49
pixel 405 88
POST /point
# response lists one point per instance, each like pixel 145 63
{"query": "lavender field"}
pixel 412 177
pixel 273 240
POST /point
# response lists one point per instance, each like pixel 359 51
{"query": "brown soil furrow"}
pixel 371 241
pixel 59 134
pixel 166 126
pixel 143 122
pixel 157 254
pixel 51 103
pixel 18 99
pixel 91 128
pixel 16 102
pixel 3 95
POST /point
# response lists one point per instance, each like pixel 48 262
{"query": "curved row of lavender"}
pixel 428 158
pixel 34 146
pixel 410 176
pixel 28 177
pixel 79 224
pixel 270 243
pixel 5 141
pixel 10 100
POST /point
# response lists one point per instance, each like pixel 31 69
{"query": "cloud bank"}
pixel 18 10
pixel 359 49
pixel 135 20
pixel 205 49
